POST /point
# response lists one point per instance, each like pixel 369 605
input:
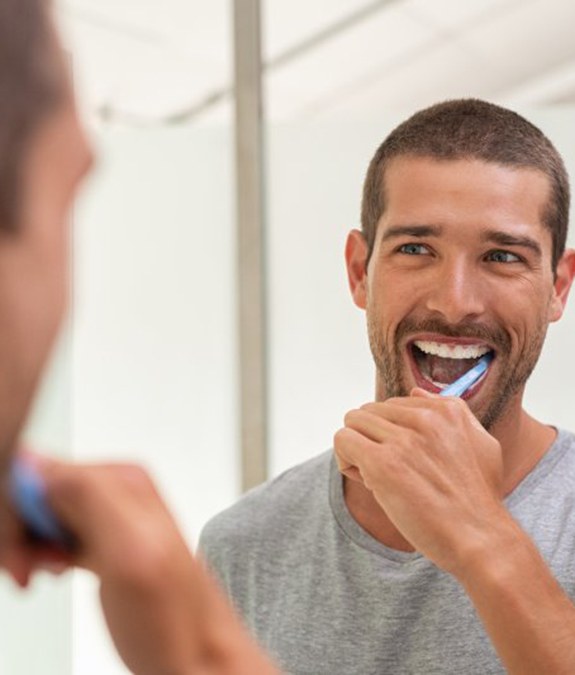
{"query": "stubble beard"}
pixel 390 366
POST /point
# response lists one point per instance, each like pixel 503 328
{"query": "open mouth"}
pixel 438 364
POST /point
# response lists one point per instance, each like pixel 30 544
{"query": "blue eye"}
pixel 413 249
pixel 503 257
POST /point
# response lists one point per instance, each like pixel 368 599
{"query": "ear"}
pixel 356 262
pixel 563 280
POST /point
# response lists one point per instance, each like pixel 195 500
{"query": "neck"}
pixel 523 441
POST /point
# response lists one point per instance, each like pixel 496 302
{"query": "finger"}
pixel 402 413
pixel 418 392
pixel 81 492
pixel 92 502
pixel 14 560
pixel 353 474
pixel 351 449
pixel 113 509
pixel 372 426
pixel 407 402
pixel 420 413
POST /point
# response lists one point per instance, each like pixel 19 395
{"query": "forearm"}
pixel 239 655
pixel 164 611
pixel 529 618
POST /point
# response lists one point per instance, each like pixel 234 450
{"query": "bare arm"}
pixel 436 473
pixel 530 620
pixel 165 613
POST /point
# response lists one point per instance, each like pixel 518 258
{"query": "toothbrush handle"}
pixel 28 495
pixel 468 379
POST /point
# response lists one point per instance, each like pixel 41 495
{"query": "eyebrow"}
pixel 507 239
pixel 411 231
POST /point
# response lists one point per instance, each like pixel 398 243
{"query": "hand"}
pixel 431 467
pixel 163 610
pixel 20 553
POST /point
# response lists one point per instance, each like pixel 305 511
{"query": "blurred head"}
pixel 471 129
pixel 32 86
pixel 43 156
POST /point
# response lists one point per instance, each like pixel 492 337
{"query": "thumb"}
pixel 419 392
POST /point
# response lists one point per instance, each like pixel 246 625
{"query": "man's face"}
pixel 461 266
pixel 34 262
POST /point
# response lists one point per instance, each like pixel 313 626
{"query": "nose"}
pixel 456 292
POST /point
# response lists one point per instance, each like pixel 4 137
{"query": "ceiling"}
pixel 152 61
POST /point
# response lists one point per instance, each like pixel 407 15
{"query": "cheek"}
pixel 394 294
pixel 384 314
pixel 54 262
pixel 526 322
pixel 42 300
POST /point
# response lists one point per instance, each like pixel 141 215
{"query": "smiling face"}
pixel 461 267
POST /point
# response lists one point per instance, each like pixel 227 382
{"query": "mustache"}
pixel 496 336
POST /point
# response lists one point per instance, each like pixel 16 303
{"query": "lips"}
pixel 437 361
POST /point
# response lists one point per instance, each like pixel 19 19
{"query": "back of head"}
pixel 471 129
pixel 29 87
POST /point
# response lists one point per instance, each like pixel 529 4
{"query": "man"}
pixel 439 539
pixel 164 612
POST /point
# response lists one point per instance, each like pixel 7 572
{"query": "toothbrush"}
pixel 28 495
pixel 468 379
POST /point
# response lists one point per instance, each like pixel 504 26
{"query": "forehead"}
pixel 468 193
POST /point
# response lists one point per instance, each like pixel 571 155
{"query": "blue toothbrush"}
pixel 468 379
pixel 28 495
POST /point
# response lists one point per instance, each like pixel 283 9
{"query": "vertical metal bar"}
pixel 250 231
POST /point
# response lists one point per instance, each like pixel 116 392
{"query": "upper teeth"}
pixel 452 351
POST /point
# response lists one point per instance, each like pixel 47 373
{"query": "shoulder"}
pixel 566 437
pixel 549 488
pixel 563 452
pixel 291 490
pixel 276 506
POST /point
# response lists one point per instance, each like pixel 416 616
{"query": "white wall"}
pixel 154 351
pixel 36 624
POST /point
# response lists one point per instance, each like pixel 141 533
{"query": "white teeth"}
pixel 452 351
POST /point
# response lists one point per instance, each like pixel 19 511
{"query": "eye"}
pixel 503 257
pixel 413 249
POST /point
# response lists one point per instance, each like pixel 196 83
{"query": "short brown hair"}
pixel 29 88
pixel 471 129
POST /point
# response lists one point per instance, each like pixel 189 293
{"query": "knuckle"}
pixel 350 417
pixel 71 483
pixel 454 408
pixel 457 404
pixel 339 437
pixel 426 417
pixel 135 475
pixel 375 407
pixel 424 421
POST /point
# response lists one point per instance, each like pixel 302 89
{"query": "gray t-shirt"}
pixel 324 597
